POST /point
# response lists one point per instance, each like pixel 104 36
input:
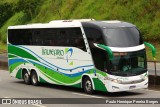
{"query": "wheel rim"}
pixel 26 77
pixel 88 85
pixel 34 79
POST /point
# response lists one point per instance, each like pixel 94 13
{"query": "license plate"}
pixel 132 87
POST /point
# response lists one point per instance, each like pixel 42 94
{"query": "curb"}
pixel 153 61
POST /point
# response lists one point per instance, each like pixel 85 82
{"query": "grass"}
pixel 17 19
pixel 3 46
pixel 144 14
pixel 149 52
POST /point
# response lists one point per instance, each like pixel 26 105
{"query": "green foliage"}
pixel 28 7
pixel 16 19
pixel 144 14
pixel 6 11
pixel 3 46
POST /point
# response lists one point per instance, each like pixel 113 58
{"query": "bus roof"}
pixel 75 23
pixel 53 24
pixel 107 24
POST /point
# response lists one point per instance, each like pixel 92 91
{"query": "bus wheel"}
pixel 87 85
pixel 26 78
pixel 34 78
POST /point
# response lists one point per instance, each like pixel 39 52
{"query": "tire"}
pixel 26 78
pixel 34 79
pixel 87 85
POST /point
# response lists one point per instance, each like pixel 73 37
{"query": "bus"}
pixel 107 56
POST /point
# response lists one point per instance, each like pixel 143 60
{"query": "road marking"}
pixel 6 97
pixel 87 95
pixel 104 97
pixel 38 105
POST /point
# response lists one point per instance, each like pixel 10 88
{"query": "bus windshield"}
pixel 122 37
pixel 128 63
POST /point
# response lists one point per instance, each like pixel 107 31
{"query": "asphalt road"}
pixel 14 88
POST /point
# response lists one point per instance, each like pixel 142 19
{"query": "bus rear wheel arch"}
pixel 87 85
pixel 26 77
pixel 34 78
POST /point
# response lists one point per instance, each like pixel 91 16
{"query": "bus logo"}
pixel 54 52
pixel 69 52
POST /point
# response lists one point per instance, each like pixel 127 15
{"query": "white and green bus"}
pixel 107 56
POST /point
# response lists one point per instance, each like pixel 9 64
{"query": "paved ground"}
pixel 151 68
pixel 3 57
pixel 14 88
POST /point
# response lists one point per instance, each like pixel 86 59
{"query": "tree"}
pixel 6 11
pixel 28 6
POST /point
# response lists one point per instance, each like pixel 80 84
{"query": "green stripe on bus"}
pixel 20 52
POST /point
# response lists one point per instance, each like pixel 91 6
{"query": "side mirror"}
pixel 152 48
pixel 107 49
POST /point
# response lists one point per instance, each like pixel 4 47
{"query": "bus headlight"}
pixel 117 81
pixel 144 77
pixel 113 80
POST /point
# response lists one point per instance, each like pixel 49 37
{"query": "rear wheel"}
pixel 34 78
pixel 87 85
pixel 26 77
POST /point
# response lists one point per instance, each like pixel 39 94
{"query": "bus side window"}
pixel 79 41
pixel 19 37
pixel 74 38
pixel 99 56
pixel 68 37
pixel 61 38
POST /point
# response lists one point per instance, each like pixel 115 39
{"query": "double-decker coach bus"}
pixel 107 56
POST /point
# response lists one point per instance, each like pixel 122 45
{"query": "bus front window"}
pixel 130 63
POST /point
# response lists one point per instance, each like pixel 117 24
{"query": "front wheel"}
pixel 34 78
pixel 87 85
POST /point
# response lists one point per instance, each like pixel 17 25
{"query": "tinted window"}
pixel 44 37
pixel 94 35
pixel 47 37
pixel 128 64
pixel 122 37
pixel 19 37
pixel 99 56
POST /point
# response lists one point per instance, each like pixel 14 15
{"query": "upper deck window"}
pixel 122 37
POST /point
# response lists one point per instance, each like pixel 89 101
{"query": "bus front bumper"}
pixel 116 87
